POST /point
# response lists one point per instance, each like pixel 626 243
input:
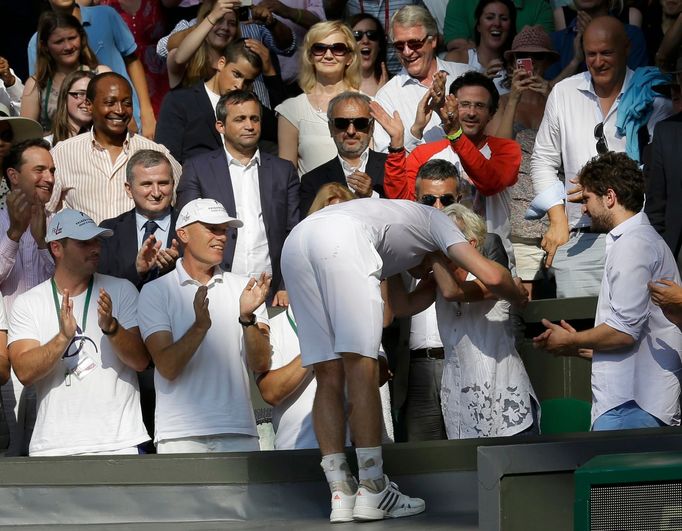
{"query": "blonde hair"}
pixel 471 224
pixel 317 32
pixel 327 193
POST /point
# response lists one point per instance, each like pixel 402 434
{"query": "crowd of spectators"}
pixel 159 153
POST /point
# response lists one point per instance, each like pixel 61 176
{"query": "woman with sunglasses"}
pixel 62 49
pixel 73 115
pixel 494 32
pixel 330 65
pixel 371 41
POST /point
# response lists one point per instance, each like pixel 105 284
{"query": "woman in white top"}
pixel 485 390
pixel 494 32
pixel 330 65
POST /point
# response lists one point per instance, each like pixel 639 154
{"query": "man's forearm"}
pixel 257 348
pixel 276 385
pixel 172 360
pixel 602 338
pixel 129 347
pixel 34 364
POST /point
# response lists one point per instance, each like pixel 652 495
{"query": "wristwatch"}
pixel 246 324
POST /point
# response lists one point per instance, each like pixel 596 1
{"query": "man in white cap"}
pixel 81 352
pixel 202 356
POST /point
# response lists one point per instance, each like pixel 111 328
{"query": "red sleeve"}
pixel 490 176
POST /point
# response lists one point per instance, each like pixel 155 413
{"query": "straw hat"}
pixel 532 39
pixel 22 128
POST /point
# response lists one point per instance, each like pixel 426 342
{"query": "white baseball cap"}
pixel 206 211
pixel 22 128
pixel 75 225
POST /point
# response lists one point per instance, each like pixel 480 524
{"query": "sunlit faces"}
pixel 353 140
pixel 35 175
pixel 112 108
pixel 239 75
pixel 151 189
pixel 439 189
pixel 64 46
pixel 595 207
pixel 76 105
pixel 494 25
pixel 203 242
pixel 78 256
pixel 242 126
pixel 473 110
pixel 419 63
pixel 331 64
pixel 368 48
pixel 605 56
pixel 223 31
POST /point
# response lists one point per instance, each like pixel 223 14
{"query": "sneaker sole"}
pixel 369 514
pixel 338 516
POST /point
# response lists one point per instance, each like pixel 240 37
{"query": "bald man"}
pixel 580 123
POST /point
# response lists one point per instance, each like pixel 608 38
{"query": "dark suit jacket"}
pixel 332 172
pixel 208 176
pixel 186 124
pixel 664 190
pixel 119 252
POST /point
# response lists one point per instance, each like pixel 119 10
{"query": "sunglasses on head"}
pixel 372 35
pixel 319 49
pixel 413 44
pixel 445 199
pixel 361 124
pixel 602 146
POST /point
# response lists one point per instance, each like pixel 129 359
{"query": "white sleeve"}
pixel 126 306
pixel 14 93
pixel 22 323
pixel 151 314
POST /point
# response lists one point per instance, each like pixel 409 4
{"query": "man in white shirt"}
pixel 75 337
pixel 415 37
pixel 357 166
pixel 635 349
pixel 202 355
pixel 579 123
pixel 256 187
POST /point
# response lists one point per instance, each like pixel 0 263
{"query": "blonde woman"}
pixel 330 65
pixel 330 194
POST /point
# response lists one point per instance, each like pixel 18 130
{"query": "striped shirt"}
pixel 92 182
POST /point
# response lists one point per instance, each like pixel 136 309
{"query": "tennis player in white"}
pixel 333 263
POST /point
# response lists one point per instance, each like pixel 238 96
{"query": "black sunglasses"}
pixel 602 146
pixel 338 48
pixel 361 124
pixel 77 343
pixel 414 44
pixel 372 35
pixel 445 199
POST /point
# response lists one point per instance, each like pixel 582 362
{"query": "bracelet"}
pixel 112 332
pixel 396 150
pixel 454 136
pixel 246 324
pixel 210 21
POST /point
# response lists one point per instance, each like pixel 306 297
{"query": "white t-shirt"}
pixel 212 393
pixel 401 231
pixel 100 412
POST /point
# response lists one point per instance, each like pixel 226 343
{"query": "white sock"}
pixel 371 467
pixel 337 472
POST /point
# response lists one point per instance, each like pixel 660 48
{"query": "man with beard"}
pixel 634 348
pixel 357 166
pixel 91 167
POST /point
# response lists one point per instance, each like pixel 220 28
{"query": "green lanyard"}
pixel 291 322
pixel 87 301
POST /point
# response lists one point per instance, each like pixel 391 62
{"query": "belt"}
pixel 436 353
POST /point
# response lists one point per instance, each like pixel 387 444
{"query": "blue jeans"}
pixel 625 417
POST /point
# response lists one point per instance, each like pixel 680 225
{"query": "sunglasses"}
pixel 7 135
pixel 372 35
pixel 77 95
pixel 338 48
pixel 413 44
pixel 77 343
pixel 445 199
pixel 602 146
pixel 360 124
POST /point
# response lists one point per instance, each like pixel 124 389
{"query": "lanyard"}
pixel 386 17
pixel 291 322
pixel 87 301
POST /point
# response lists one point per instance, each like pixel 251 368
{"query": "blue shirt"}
pixel 562 41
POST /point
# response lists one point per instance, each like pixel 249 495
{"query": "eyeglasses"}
pixel 478 105
pixel 361 124
pixel 77 94
pixel 372 35
pixel 7 135
pixel 319 49
pixel 445 199
pixel 602 145
pixel 413 44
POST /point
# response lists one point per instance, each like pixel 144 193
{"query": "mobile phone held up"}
pixel 244 11
pixel 527 64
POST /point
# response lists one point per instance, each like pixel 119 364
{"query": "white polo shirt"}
pixel 212 393
pixel 648 372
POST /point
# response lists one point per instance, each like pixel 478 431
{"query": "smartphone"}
pixel 244 13
pixel 526 64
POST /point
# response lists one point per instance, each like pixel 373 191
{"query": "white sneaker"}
pixel 389 503
pixel 342 507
